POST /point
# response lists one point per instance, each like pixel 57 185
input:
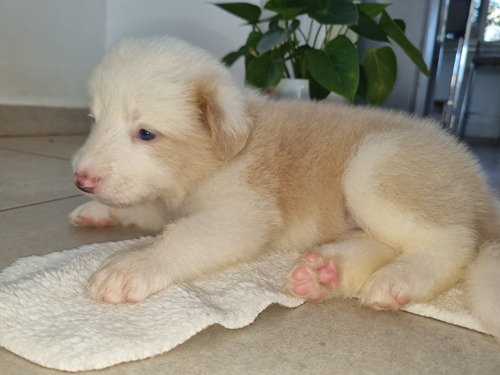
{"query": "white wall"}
pixel 414 13
pixel 197 21
pixel 48 48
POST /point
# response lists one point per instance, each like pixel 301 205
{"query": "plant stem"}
pixel 291 57
pixel 256 27
pixel 328 36
pixel 309 32
pixel 327 32
pixel 285 71
pixel 316 36
pixel 306 39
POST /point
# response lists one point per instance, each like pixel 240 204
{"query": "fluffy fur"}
pixel 386 208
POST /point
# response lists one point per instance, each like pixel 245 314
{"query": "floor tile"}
pixel 55 146
pixel 43 228
pixel 27 178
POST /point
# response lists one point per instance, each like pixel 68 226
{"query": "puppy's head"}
pixel 166 115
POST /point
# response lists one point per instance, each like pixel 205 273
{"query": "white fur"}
pixel 484 281
pixel 392 208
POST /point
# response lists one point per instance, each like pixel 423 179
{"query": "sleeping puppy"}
pixel 384 207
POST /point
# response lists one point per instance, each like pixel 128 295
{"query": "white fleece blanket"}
pixel 46 317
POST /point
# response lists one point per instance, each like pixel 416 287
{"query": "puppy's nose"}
pixel 84 182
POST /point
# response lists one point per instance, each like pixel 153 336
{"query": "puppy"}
pixel 385 207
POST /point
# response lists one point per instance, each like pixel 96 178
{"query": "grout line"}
pixel 40 203
pixel 66 158
pixel 37 135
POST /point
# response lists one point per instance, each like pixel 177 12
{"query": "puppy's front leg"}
pixel 190 248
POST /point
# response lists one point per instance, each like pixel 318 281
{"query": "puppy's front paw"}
pixel 126 278
pixel 314 277
pixel 93 214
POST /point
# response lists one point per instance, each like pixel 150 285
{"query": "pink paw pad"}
pixel 88 221
pixel 396 304
pixel 313 278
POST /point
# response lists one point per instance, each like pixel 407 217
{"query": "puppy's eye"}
pixel 146 135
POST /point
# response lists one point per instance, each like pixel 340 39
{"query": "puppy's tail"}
pixel 483 279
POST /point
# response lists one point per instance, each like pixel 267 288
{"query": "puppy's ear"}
pixel 224 110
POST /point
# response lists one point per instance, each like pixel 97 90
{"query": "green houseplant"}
pixel 317 40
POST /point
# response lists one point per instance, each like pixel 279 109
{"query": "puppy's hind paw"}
pixel 313 278
pixel 387 290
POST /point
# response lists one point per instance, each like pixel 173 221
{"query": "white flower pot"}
pixel 292 88
pixel 298 88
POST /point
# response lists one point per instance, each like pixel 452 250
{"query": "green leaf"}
pixel 336 67
pixel 316 91
pixel 248 12
pixel 248 50
pixel 369 29
pixel 298 57
pixel 274 22
pixel 232 57
pixel 362 86
pixel 380 68
pixel 251 47
pixel 276 36
pixel 253 39
pixel 395 33
pixel 288 9
pixel 263 71
pixel 333 12
pixel 400 23
pixel 372 10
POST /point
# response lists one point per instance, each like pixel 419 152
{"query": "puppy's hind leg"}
pixel 427 267
pixel 405 200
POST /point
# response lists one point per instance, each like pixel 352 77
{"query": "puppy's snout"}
pixel 85 182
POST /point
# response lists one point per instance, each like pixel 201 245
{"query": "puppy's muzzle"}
pixel 85 182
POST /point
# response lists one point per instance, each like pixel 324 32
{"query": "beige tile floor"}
pixel 335 337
